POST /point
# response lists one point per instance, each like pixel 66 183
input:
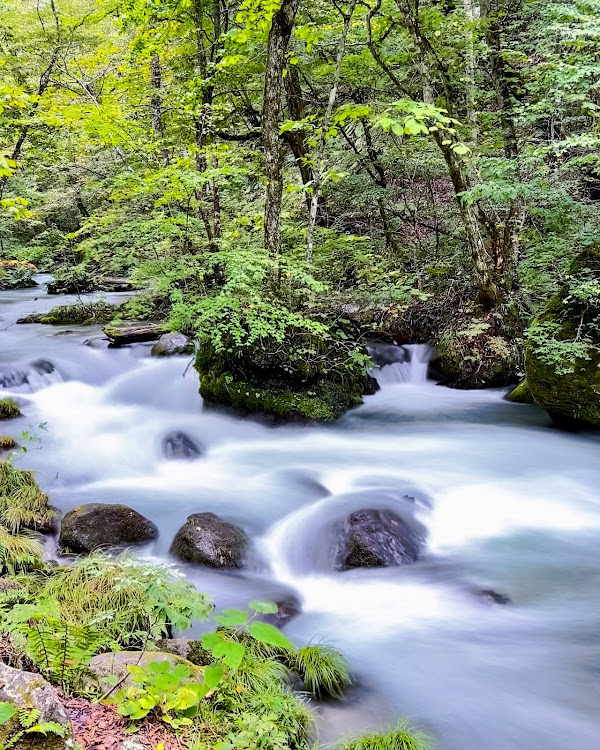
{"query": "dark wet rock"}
pixel 172 343
pixel 178 445
pixel 28 691
pixel 489 595
pixel 206 539
pixel 373 538
pixel 387 354
pixel 24 376
pixel 287 608
pixel 88 527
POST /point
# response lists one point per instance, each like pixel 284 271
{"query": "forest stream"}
pixel 510 504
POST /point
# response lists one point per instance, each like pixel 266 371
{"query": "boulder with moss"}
pixel 562 359
pixel 297 380
pixel 28 692
pixel 520 394
pixel 96 525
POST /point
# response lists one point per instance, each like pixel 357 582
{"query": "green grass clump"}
pixel 22 504
pixel 323 670
pixel 7 443
pixel 9 409
pixel 401 738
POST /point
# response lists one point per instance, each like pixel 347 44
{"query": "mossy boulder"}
pixel 520 394
pixel 562 359
pixel 26 692
pixel 9 409
pixel 262 381
pixel 95 525
pixel 206 539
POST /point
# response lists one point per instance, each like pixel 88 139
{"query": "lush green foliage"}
pixel 9 409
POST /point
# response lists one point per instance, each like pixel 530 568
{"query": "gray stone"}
pixel 172 343
pixel 206 539
pixel 88 527
pixel 117 663
pixel 26 690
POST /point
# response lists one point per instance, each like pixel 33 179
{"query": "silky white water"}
pixel 509 502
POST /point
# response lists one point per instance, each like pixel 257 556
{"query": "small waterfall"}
pixel 402 364
pixel 28 377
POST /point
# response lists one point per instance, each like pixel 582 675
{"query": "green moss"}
pixel 82 313
pixel 521 394
pixel 9 409
pixel 321 402
pixel 401 738
pixel 562 359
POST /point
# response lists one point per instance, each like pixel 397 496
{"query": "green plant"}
pixel 401 738
pixel 9 409
pixel 28 723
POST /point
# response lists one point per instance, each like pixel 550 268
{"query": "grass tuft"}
pixel 323 670
pixel 9 409
pixel 401 738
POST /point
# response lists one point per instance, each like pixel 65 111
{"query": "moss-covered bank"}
pixel 562 359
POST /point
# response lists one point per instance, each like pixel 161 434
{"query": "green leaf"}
pixel 263 632
pixel 7 711
pixel 232 617
pixel 265 608
pixel 213 675
pixel 231 653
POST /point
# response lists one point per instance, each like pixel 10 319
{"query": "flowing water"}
pixel 510 504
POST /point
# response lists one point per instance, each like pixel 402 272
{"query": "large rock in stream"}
pixel 88 527
pixel 27 691
pixel 206 539
pixel 562 359
pixel 371 538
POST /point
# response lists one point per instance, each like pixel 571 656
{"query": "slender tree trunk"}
pixel 319 162
pixel 470 69
pixel 279 38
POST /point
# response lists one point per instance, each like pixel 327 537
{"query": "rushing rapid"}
pixel 510 504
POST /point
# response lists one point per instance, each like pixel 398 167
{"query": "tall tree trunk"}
pixel 319 161
pixel 279 39
pixel 470 69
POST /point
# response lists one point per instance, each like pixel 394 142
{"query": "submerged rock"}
pixel 378 538
pixel 28 377
pixel 178 445
pixel 27 691
pixel 287 609
pixel 172 343
pixel 88 527
pixel 493 597
pixel 206 539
